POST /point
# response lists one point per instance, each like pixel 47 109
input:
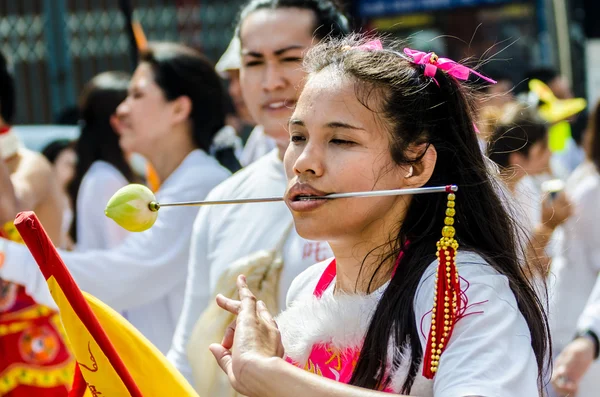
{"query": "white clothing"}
pixel 94 229
pixel 575 270
pixel 257 145
pixel 565 162
pixel 489 353
pixel 223 234
pixel 528 195
pixel 590 318
pixel 146 274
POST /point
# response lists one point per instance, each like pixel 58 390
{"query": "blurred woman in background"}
pixel 102 167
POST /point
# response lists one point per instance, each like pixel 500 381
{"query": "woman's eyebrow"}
pixel 276 52
pixel 330 125
pixel 339 124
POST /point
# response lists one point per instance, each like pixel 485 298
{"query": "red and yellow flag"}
pixel 114 359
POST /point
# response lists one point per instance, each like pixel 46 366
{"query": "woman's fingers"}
pixel 247 298
pixel 223 357
pixel 229 336
pixel 231 305
pixel 264 313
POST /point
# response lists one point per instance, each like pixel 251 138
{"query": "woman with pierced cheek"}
pixel 423 298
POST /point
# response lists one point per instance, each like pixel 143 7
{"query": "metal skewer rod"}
pixel 154 206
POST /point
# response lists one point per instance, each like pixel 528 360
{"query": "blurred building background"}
pixel 57 45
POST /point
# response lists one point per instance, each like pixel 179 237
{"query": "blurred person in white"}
pixel 575 309
pixel 102 167
pixel 271 77
pixel 519 146
pixel 173 110
pixel 61 154
pixel 258 143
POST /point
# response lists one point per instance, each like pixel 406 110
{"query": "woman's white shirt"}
pixel 489 353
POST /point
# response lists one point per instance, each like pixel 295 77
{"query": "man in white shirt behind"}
pixel 271 75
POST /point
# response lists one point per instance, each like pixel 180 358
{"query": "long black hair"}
pixel 330 20
pixel 98 140
pixel 418 111
pixel 182 71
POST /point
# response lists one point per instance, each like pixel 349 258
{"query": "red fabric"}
pixel 39 345
pixel 50 263
pixel 79 384
pixel 325 280
pixel 5 129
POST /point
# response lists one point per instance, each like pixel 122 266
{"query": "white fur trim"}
pixel 340 320
pixel 9 145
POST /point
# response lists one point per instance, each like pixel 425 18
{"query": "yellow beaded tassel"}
pixel 446 302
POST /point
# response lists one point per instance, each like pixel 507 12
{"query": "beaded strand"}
pixel 446 302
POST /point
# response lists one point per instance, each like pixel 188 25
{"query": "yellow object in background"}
pixel 553 109
pixel 556 111
pixel 558 136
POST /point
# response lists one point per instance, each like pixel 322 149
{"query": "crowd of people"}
pixel 490 289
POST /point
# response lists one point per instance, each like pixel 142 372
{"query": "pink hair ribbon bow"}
pixel 432 62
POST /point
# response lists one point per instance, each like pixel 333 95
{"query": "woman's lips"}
pixel 305 203
pixel 302 197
